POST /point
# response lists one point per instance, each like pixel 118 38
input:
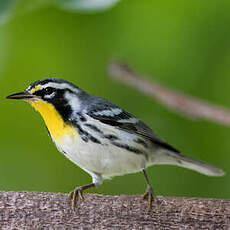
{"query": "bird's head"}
pixel 52 94
pixel 55 99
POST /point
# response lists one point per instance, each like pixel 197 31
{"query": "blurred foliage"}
pixel 12 8
pixel 85 5
pixel 182 44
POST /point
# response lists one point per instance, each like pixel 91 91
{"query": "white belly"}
pixel 104 159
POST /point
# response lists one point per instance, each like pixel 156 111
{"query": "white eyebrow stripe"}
pixel 109 112
pixel 59 86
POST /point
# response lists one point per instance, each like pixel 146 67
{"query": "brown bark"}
pixel 37 210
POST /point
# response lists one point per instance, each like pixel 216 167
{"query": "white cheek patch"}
pixel 73 100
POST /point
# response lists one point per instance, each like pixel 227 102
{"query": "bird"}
pixel 100 137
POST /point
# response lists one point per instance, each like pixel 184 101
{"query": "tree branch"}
pixel 37 210
pixel 182 103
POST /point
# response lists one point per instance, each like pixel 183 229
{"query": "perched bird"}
pixel 100 137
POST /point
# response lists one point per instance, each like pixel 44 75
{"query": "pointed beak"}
pixel 22 95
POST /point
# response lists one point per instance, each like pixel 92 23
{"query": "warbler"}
pixel 100 137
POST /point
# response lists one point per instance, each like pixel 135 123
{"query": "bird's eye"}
pixel 49 90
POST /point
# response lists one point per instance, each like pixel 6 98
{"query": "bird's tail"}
pixel 164 156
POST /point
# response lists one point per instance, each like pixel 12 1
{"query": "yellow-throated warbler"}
pixel 100 137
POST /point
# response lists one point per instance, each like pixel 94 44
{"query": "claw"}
pixel 76 194
pixel 145 195
pixel 70 197
pixel 80 194
pixel 150 196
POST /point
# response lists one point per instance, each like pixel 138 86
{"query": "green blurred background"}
pixel 182 44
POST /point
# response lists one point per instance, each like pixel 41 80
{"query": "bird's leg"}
pixel 149 191
pixel 77 194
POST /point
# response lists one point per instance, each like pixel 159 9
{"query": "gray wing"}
pixel 110 114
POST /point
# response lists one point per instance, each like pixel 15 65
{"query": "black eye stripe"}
pixel 45 91
pixel 49 90
pixel 39 92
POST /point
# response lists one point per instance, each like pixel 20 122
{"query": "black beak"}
pixel 21 95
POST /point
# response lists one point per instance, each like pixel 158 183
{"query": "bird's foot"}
pixel 75 195
pixel 149 195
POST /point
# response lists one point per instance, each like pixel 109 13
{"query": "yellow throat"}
pixel 57 127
